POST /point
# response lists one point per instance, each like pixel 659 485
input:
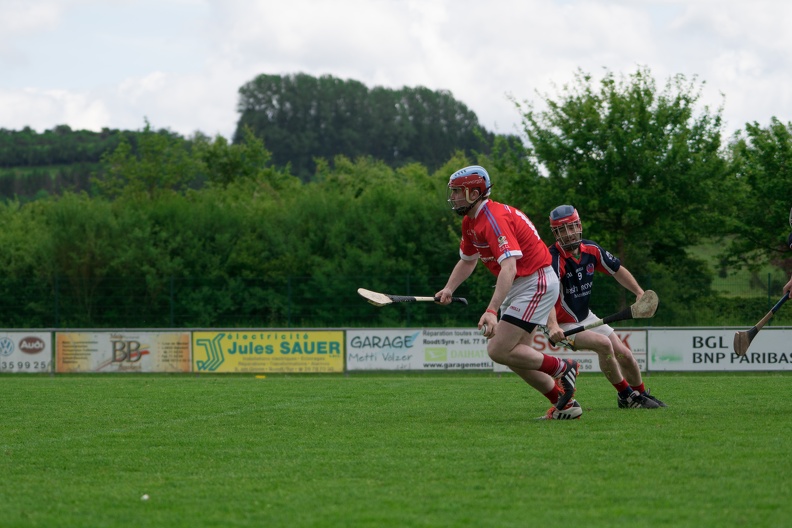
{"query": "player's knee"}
pixel 603 347
pixel 623 354
pixel 497 354
pixel 621 351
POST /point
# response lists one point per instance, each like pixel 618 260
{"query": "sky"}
pixel 179 64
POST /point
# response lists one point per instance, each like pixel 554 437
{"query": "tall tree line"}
pixel 58 146
pixel 34 165
pixel 301 118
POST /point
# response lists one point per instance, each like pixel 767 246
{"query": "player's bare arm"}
pixel 626 279
pixel 502 286
pixel 553 329
pixel 460 273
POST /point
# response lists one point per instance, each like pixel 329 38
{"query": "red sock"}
pixel 553 395
pixel 551 365
pixel 622 385
pixel 640 388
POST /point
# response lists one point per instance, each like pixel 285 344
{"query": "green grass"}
pixel 742 282
pixel 394 450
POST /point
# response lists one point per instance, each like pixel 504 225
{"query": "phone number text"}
pixel 14 366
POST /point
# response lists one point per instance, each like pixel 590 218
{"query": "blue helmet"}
pixel 566 227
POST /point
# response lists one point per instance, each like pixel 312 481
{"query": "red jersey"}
pixel 500 231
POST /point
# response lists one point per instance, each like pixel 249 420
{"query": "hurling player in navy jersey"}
pixel 508 245
pixel 575 260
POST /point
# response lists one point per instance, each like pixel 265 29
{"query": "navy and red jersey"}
pixel 577 278
pixel 500 231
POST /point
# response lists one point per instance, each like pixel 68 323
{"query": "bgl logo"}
pixel 127 351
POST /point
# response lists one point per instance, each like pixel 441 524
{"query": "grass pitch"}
pixel 379 450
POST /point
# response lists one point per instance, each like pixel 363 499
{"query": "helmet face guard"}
pixel 470 178
pixel 566 226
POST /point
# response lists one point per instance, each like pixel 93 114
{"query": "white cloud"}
pixel 180 63
pixel 21 18
pixel 41 109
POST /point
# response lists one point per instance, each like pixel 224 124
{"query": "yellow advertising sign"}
pixel 268 351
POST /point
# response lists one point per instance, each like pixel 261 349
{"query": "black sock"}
pixel 625 393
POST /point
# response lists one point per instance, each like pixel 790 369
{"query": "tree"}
pixel 635 161
pixel 226 163
pixel 761 200
pixel 639 163
pixel 161 162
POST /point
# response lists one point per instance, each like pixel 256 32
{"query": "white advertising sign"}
pixel 417 349
pixel 25 352
pixel 703 349
pixel 455 349
pixel 635 339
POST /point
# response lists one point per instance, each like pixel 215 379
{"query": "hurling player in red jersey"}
pixel 506 241
pixel 575 260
